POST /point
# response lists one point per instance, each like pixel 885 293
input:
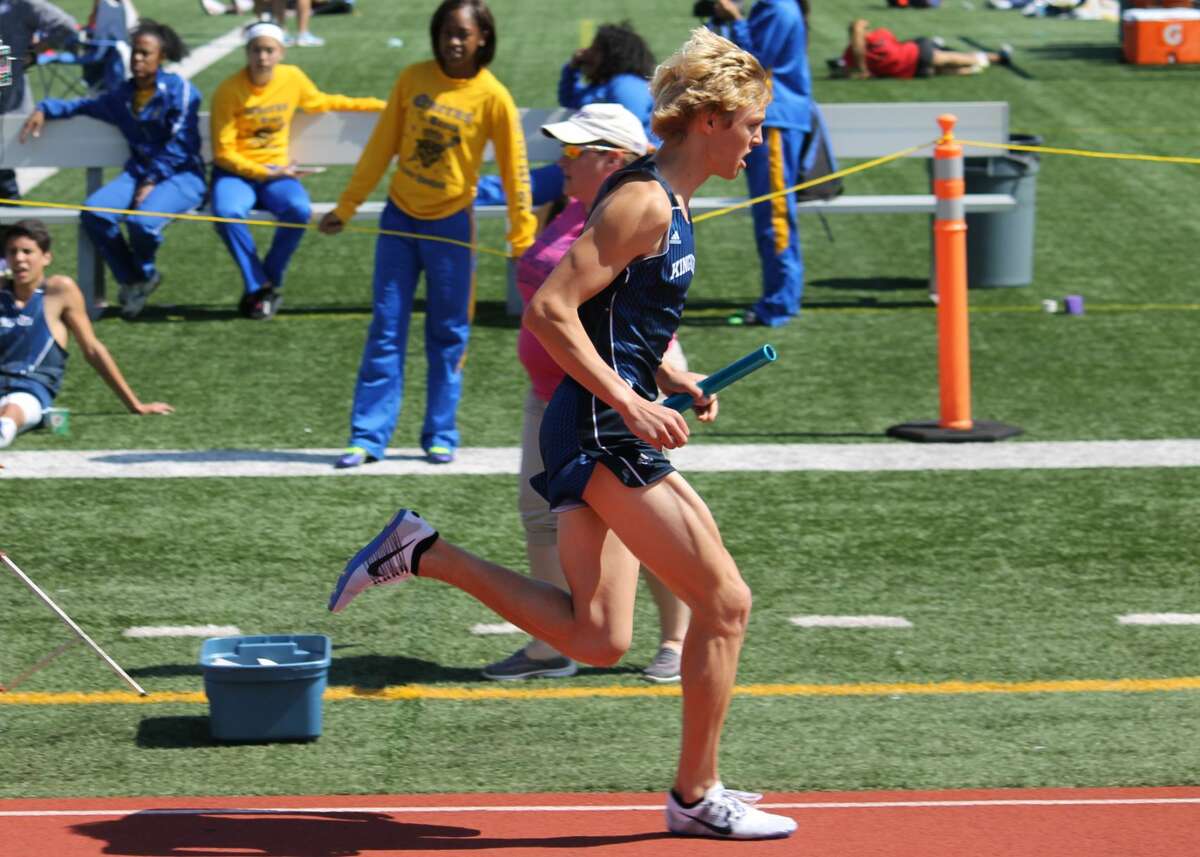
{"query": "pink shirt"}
pixel 533 268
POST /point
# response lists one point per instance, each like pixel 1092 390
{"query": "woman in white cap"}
pixel 597 141
pixel 251 125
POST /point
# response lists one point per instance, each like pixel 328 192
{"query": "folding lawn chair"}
pixel 102 54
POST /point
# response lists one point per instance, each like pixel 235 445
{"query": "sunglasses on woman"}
pixel 571 151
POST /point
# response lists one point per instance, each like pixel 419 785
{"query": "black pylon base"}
pixel 983 431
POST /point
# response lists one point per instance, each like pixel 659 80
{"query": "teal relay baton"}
pixel 722 378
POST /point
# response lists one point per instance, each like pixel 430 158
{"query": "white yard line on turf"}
pixel 1159 619
pixel 473 461
pixel 850 622
pixel 484 629
pixel 655 807
pixel 151 631
pixel 197 61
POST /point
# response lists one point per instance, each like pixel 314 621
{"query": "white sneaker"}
pixel 243 7
pixel 308 40
pixel 213 7
pixel 726 814
pixel 390 557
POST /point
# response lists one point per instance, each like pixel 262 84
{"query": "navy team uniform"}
pixel 30 360
pixel 630 324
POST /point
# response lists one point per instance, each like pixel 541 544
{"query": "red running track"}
pixel 1146 822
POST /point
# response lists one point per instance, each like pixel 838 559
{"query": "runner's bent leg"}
pixel 592 623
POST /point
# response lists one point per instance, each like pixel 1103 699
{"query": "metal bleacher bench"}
pixel 856 130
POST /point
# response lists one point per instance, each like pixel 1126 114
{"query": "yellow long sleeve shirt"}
pixel 436 127
pixel 251 125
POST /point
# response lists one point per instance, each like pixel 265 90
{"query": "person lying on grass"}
pixel 36 313
pixel 878 53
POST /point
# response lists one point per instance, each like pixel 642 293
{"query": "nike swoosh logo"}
pixel 375 565
pixel 723 829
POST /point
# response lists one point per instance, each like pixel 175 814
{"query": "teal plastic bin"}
pixel 265 688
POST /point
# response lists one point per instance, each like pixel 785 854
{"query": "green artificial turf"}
pixel 1006 576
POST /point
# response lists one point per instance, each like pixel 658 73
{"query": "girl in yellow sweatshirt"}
pixel 251 123
pixel 439 117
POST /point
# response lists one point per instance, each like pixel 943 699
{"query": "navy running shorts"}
pixel 579 431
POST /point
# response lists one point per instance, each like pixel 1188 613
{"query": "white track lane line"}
pixel 656 807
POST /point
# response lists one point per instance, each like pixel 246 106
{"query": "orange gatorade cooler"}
pixel 1161 36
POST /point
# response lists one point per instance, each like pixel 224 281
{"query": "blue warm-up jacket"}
pixel 164 138
pixel 775 33
pixel 628 90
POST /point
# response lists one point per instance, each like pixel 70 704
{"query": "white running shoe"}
pixel 726 814
pixel 308 40
pixel 391 557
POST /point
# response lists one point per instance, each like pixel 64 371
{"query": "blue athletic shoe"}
pixel 439 455
pixel 391 557
pixel 353 457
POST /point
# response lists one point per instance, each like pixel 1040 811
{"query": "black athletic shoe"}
pixel 250 306
pixel 270 302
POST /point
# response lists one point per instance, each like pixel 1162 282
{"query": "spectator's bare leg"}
pixel 303 13
pixel 11 418
pixel 673 614
pixel 962 62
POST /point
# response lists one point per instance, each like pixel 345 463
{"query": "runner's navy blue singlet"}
pixel 30 360
pixel 630 323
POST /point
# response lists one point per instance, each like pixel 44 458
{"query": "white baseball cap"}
pixel 601 123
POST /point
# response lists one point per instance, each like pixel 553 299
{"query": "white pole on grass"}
pixel 70 623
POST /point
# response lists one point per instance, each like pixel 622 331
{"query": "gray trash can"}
pixel 1000 244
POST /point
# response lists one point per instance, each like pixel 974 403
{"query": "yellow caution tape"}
pixel 1081 153
pixel 208 218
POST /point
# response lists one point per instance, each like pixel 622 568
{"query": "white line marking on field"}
pixel 655 807
pixel 709 457
pixel 1159 619
pixel 850 622
pixel 208 54
pixel 146 631
pixel 483 629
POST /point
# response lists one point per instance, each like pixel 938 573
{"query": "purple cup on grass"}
pixel 1073 304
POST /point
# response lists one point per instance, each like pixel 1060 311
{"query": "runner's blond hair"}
pixel 707 73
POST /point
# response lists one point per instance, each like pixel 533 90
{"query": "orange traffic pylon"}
pixel 950 272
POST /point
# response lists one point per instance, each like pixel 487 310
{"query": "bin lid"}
pixel 265 651
pixel 1161 15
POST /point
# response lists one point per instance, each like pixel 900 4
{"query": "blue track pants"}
pixel 450 300
pixel 132 261
pixel 234 196
pixel 770 167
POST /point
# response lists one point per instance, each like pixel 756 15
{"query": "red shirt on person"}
pixel 887 56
